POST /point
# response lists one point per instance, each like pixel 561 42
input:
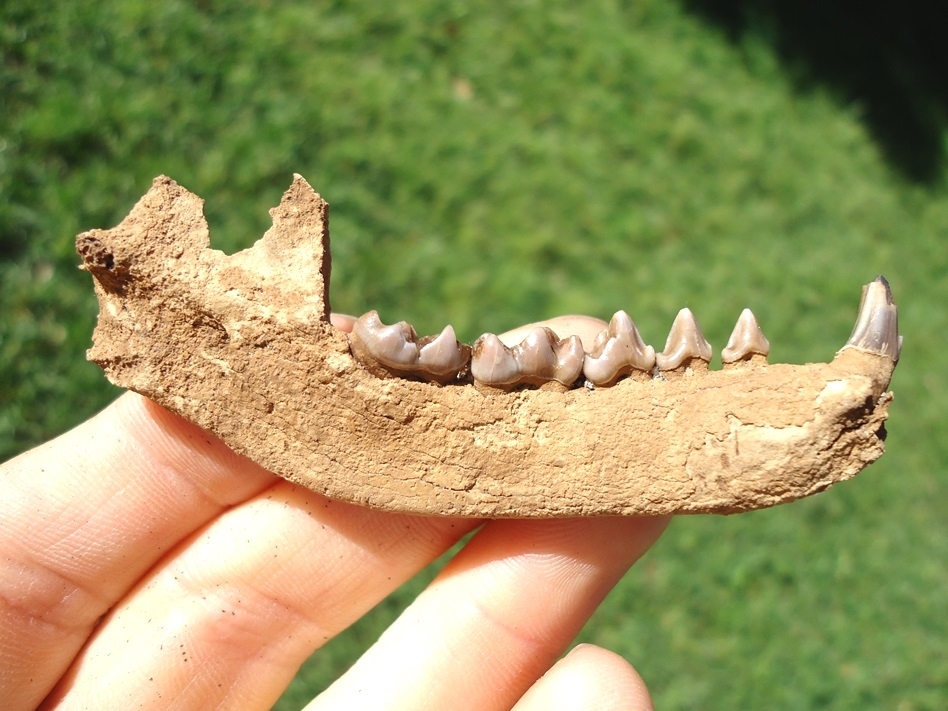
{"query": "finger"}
pixel 84 516
pixel 227 619
pixel 588 677
pixel 586 327
pixel 342 322
pixel 497 617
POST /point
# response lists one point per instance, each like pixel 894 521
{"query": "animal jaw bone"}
pixel 242 345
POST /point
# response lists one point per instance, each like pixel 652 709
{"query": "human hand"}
pixel 146 565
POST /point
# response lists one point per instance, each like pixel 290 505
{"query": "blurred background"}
pixel 490 164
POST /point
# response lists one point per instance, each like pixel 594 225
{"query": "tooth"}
pixel 617 351
pixel 443 354
pixel 540 357
pixel 569 359
pixel 746 341
pixel 394 345
pixel 397 350
pixel 685 343
pixel 877 325
pixel 492 363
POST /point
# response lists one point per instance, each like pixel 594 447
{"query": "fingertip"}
pixel 589 677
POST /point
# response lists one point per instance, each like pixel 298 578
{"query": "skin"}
pixel 145 565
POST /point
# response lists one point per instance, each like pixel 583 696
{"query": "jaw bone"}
pixel 242 345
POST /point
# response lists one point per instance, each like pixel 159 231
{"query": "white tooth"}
pixel 492 363
pixel 392 346
pixel 685 342
pixel 746 340
pixel 617 350
pixel 443 354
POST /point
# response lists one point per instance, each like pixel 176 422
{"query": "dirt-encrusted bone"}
pixel 242 346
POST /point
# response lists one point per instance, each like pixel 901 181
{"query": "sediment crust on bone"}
pixel 242 346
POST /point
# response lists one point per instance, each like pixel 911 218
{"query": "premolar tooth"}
pixel 396 350
pixel 685 342
pixel 746 341
pixel 617 350
pixel 877 325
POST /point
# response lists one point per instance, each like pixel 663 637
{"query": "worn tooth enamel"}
pixel 685 343
pixel 540 357
pixel 492 363
pixel 397 350
pixel 746 341
pixel 617 350
pixel 443 354
pixel 394 345
pixel 877 325
pixel 569 360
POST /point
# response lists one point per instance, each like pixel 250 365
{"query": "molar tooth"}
pixel 569 360
pixel 394 345
pixel 877 325
pixel 493 363
pixel 539 358
pixel 397 350
pixel 617 350
pixel 746 341
pixel 443 354
pixel 685 343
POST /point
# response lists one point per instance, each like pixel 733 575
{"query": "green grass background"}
pixel 494 163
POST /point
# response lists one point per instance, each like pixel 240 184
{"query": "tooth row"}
pixel 542 357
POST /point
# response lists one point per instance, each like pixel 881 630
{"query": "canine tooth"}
pixel 877 325
pixel 492 363
pixel 685 342
pixel 443 354
pixel 746 341
pixel 394 345
pixel 617 350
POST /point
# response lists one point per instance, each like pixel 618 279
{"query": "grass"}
pixel 493 164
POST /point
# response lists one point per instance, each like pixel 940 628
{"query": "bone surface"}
pixel 242 346
pixel 618 350
pixel 746 341
pixel 685 343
